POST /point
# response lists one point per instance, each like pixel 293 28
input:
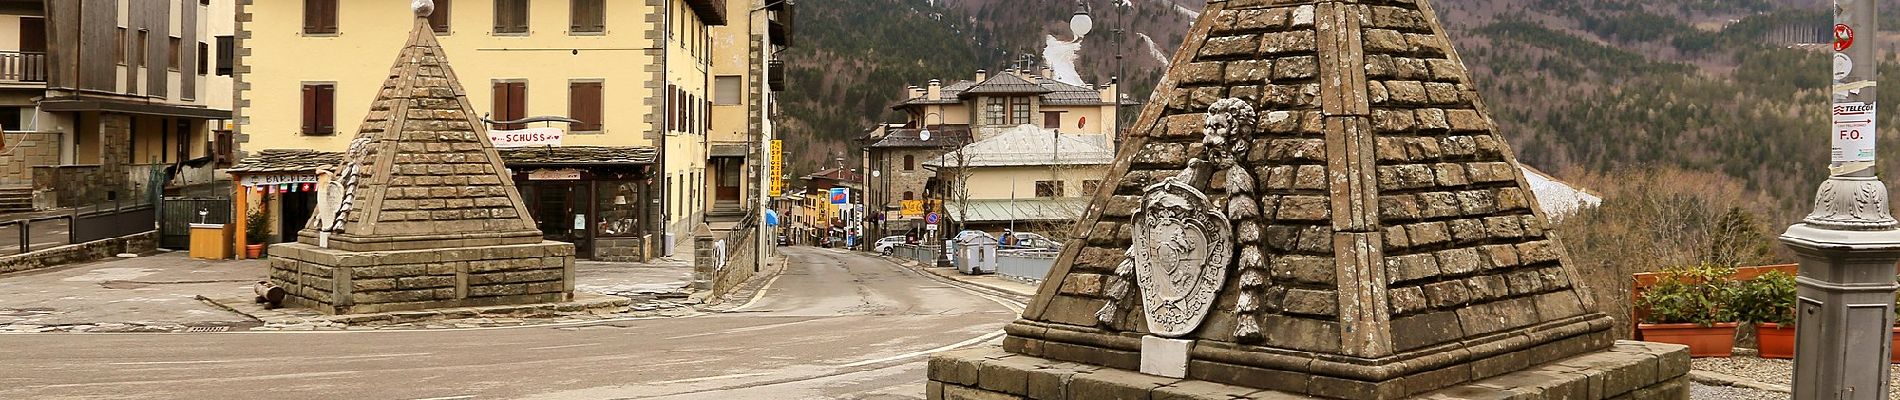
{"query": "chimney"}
pixel 936 89
pixel 982 75
pixel 1111 91
pixel 913 92
pixel 1048 73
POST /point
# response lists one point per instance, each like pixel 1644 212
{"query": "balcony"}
pixel 712 11
pixel 781 18
pixel 16 66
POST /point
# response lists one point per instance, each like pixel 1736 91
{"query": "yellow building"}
pixel 741 91
pixel 628 84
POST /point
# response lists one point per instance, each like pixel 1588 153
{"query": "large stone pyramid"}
pixel 1365 231
pixel 421 167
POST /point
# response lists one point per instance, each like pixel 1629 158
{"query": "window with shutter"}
pixel 204 58
pixel 1052 119
pixel 176 46
pixel 727 89
pixel 319 16
pixel 672 117
pixel 588 16
pixel 439 20
pixel 511 16
pixel 227 49
pixel 584 104
pixel 319 109
pixel 510 104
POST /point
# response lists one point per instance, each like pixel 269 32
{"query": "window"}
pixel 174 44
pixel 319 17
pixel 139 60
pixel 439 20
pixel 910 162
pixel 227 51
pixel 583 103
pixel 908 196
pixel 122 48
pixel 1090 186
pixel 1048 188
pixel 993 111
pixel 204 58
pixel 511 103
pixel 728 89
pixel 319 109
pixel 511 16
pixel 1019 111
pixel 672 103
pixel 1052 119
pixel 587 16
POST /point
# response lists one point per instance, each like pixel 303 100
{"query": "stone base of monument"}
pixel 356 282
pixel 1628 370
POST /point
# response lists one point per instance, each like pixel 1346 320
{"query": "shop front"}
pixel 598 209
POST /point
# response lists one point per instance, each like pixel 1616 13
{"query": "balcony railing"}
pixel 16 66
pixel 712 11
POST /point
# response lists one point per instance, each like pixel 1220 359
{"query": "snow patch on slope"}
pixel 1153 49
pixel 1061 56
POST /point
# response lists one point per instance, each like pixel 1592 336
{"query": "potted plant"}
pixel 1687 306
pixel 1768 302
pixel 255 234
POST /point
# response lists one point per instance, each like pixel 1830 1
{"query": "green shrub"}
pixel 1692 295
pixel 1768 298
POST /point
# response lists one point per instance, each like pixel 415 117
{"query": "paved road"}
pixel 834 325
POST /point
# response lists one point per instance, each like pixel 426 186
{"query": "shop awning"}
pixel 579 155
pixel 155 109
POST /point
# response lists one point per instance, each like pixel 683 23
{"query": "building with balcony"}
pixel 109 100
pixel 602 108
pixel 742 68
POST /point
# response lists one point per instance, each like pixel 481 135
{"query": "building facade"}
pixel 109 101
pixel 742 86
pixel 625 86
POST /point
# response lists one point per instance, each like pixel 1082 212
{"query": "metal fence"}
pixel 106 221
pixel 34 233
pixel 180 212
pixel 1031 265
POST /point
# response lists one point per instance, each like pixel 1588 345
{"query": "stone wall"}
pixel 339 282
pixel 27 150
pixel 1629 370
pixel 742 261
pixel 76 253
pixel 621 249
pixel 72 185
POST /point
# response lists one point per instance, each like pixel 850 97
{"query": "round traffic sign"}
pixel 1843 37
pixel 930 219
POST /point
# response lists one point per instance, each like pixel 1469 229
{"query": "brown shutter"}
pixel 312 20
pixel 517 103
pixel 498 110
pixel 326 109
pixel 584 105
pixel 672 103
pixel 587 16
pixel 309 109
pixel 439 20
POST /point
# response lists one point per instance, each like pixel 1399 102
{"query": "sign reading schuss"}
pixel 530 137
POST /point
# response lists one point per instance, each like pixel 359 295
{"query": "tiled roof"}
pixel 1029 145
pixel 288 160
pixel 579 155
pixel 1005 83
pixel 837 174
pixel 1030 209
pixel 942 136
pixel 1053 92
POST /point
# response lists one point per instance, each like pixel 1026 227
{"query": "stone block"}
pixel 1113 384
pixel 1006 375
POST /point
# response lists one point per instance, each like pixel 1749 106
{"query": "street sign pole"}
pixel 1849 245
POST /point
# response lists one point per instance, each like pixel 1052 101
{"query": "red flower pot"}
pixel 1893 355
pixel 1775 341
pixel 1704 341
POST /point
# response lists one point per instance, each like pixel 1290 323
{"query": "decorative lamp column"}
pixel 1849 245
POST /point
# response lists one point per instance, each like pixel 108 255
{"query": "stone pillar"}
pixel 704 263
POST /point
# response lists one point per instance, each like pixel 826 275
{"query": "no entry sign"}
pixel 1843 37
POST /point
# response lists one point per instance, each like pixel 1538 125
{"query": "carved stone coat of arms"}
pixel 1180 253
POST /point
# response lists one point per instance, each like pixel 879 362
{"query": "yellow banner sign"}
pixel 913 208
pixel 778 168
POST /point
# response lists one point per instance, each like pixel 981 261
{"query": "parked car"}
pixel 884 246
pixel 1031 241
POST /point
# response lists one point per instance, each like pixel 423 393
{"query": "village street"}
pixel 832 325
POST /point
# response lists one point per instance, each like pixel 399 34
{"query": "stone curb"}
pixel 247 308
pixel 928 271
pixel 1721 379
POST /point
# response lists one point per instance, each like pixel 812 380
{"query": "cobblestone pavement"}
pixel 1772 371
pixel 171 292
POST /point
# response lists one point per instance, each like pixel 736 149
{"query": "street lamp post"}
pixel 923 134
pixel 1849 245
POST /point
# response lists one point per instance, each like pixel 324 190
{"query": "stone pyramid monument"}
pixel 421 213
pixel 1316 204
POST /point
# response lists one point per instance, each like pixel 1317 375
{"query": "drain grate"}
pixel 197 329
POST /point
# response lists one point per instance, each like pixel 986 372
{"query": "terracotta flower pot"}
pixel 1775 341
pixel 253 250
pixel 1893 355
pixel 1704 341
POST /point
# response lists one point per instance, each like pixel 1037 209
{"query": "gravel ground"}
pixel 1706 392
pixel 1780 372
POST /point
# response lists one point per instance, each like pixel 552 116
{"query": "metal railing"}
pixel 22 66
pixel 35 233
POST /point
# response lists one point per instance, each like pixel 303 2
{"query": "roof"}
pixel 1036 209
pixel 1557 198
pixel 1053 92
pixel 579 155
pixel 1029 145
pixel 288 160
pixel 941 136
pixel 837 174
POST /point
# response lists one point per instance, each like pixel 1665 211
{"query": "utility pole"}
pixel 1849 245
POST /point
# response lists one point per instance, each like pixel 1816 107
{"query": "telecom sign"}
pixel 1853 132
pixel 840 196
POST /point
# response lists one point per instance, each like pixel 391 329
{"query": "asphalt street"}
pixel 834 325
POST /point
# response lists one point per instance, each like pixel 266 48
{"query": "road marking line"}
pixel 563 346
pixel 741 329
pixel 188 362
pixel 380 355
pixel 450 397
pixel 708 378
pixel 760 295
pixel 952 346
